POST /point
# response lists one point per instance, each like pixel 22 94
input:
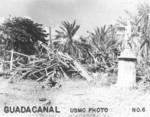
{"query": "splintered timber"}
pixel 33 109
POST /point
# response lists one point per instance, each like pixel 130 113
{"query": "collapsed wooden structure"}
pixel 52 67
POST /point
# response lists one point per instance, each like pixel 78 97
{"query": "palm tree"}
pixel 66 33
pixel 143 13
pixel 140 28
pixel 104 38
pixel 104 43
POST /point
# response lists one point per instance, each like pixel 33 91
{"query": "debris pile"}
pixel 51 68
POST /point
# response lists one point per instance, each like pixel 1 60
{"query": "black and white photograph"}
pixel 74 58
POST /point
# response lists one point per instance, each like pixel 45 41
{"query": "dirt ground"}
pixel 73 94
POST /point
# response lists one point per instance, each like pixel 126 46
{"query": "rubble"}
pixel 50 69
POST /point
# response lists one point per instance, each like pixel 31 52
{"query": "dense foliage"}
pixel 22 34
pixel 140 38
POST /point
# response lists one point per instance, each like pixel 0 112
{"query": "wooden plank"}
pixel 83 71
pixel 19 53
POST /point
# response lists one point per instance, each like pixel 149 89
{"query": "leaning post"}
pixel 11 60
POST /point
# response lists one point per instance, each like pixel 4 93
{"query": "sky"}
pixel 88 13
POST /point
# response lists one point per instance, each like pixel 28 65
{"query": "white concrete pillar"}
pixel 126 70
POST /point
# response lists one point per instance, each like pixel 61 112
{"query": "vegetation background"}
pixel 92 56
pixel 97 51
